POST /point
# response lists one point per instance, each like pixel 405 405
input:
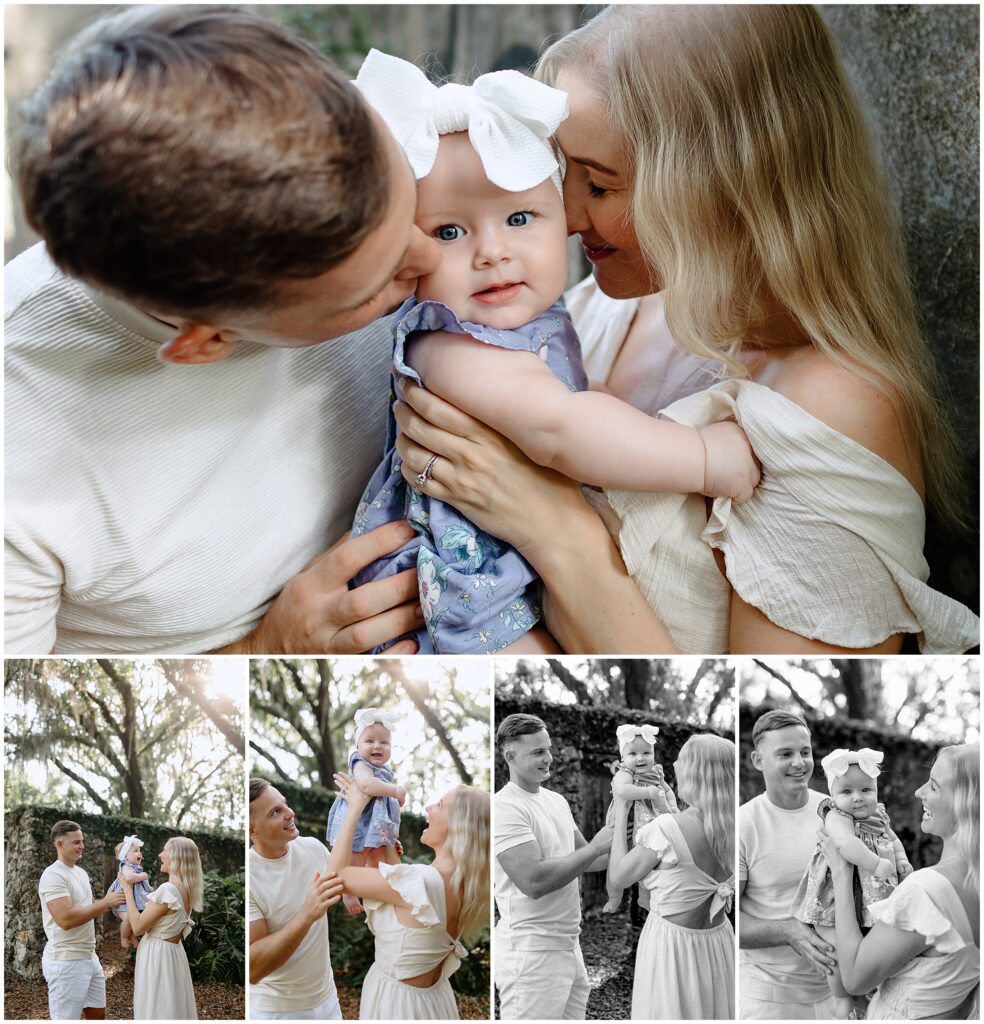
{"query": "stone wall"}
pixel 28 850
pixel 583 746
pixel 904 770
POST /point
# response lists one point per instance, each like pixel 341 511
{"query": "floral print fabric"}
pixel 478 594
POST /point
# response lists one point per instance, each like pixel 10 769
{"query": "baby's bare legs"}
pixel 350 902
pixel 536 641
pixel 126 934
pixel 843 1001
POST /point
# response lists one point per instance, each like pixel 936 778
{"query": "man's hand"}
pixel 316 613
pixel 810 946
pixel 601 841
pixel 113 898
pixel 325 892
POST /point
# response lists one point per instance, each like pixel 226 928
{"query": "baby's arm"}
pixel 840 828
pixel 587 435
pixel 624 788
pixel 376 787
pixel 134 875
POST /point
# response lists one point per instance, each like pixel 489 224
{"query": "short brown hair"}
pixel 775 719
pixel 194 160
pixel 514 726
pixel 256 787
pixel 62 828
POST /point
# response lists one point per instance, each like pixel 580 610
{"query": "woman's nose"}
pixel 577 217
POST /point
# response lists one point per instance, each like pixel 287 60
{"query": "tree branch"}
pixel 785 682
pixel 578 688
pixel 78 780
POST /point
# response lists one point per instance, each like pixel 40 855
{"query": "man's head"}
pixel 525 745
pixel 271 821
pixel 784 755
pixel 216 171
pixel 68 840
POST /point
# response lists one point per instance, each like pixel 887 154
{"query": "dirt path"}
pixel 28 1000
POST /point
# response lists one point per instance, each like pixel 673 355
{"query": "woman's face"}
pixel 681 769
pixel 936 795
pixel 165 857
pixel 598 193
pixel 437 820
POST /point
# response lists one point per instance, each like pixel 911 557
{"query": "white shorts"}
pixel 73 985
pixel 327 1009
pixel 542 984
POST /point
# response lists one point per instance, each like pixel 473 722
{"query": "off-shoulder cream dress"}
pixel 162 988
pixel 403 952
pixel 829 547
pixel 950 968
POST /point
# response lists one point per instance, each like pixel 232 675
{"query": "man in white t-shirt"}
pixel 180 448
pixel 539 856
pixel 76 983
pixel 290 891
pixel 783 964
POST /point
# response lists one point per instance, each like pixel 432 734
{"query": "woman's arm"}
pixel 626 866
pixel 369 784
pixel 864 963
pixel 586 435
pixel 593 605
pixel 141 921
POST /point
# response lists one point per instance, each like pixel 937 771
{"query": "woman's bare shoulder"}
pixel 867 410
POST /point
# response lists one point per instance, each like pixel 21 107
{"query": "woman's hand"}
pixel 839 867
pixel 484 475
pixel 350 791
pixel 124 879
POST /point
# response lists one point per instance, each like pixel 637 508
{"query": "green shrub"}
pixel 217 943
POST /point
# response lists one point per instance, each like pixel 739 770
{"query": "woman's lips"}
pixel 499 293
pixel 596 253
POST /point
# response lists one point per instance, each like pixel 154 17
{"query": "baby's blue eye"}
pixel 448 233
pixel 519 219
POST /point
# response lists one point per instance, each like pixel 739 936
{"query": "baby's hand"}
pixel 885 869
pixel 730 467
pixel 401 795
pixel 905 869
pixel 658 772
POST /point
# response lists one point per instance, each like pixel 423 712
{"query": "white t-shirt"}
pixel 154 507
pixel 58 880
pixel 774 849
pixel 553 921
pixel 277 889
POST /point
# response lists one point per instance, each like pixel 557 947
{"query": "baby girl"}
pixel 378 832
pixel 489 335
pixel 129 856
pixel 638 778
pixel 860 829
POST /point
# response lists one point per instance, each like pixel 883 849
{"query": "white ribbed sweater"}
pixel 153 507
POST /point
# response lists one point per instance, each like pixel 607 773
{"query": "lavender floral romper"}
pixel 478 594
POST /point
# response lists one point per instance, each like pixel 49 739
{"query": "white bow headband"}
pixel 365 717
pixel 625 734
pixel 509 119
pixel 128 843
pixel 838 761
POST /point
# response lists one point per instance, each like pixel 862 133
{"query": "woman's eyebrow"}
pixel 587 162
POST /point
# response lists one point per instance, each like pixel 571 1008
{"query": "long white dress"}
pixel 927 986
pixel 830 545
pixel 162 988
pixel 682 973
pixel 403 952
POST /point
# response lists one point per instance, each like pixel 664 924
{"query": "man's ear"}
pixel 756 760
pixel 196 344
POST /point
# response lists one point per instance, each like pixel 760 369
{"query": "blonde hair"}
pixel 709 762
pixel 185 863
pixel 755 189
pixel 965 798
pixel 468 842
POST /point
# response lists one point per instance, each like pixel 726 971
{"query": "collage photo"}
pixel 641 684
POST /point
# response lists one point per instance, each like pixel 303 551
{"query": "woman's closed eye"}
pixel 596 191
